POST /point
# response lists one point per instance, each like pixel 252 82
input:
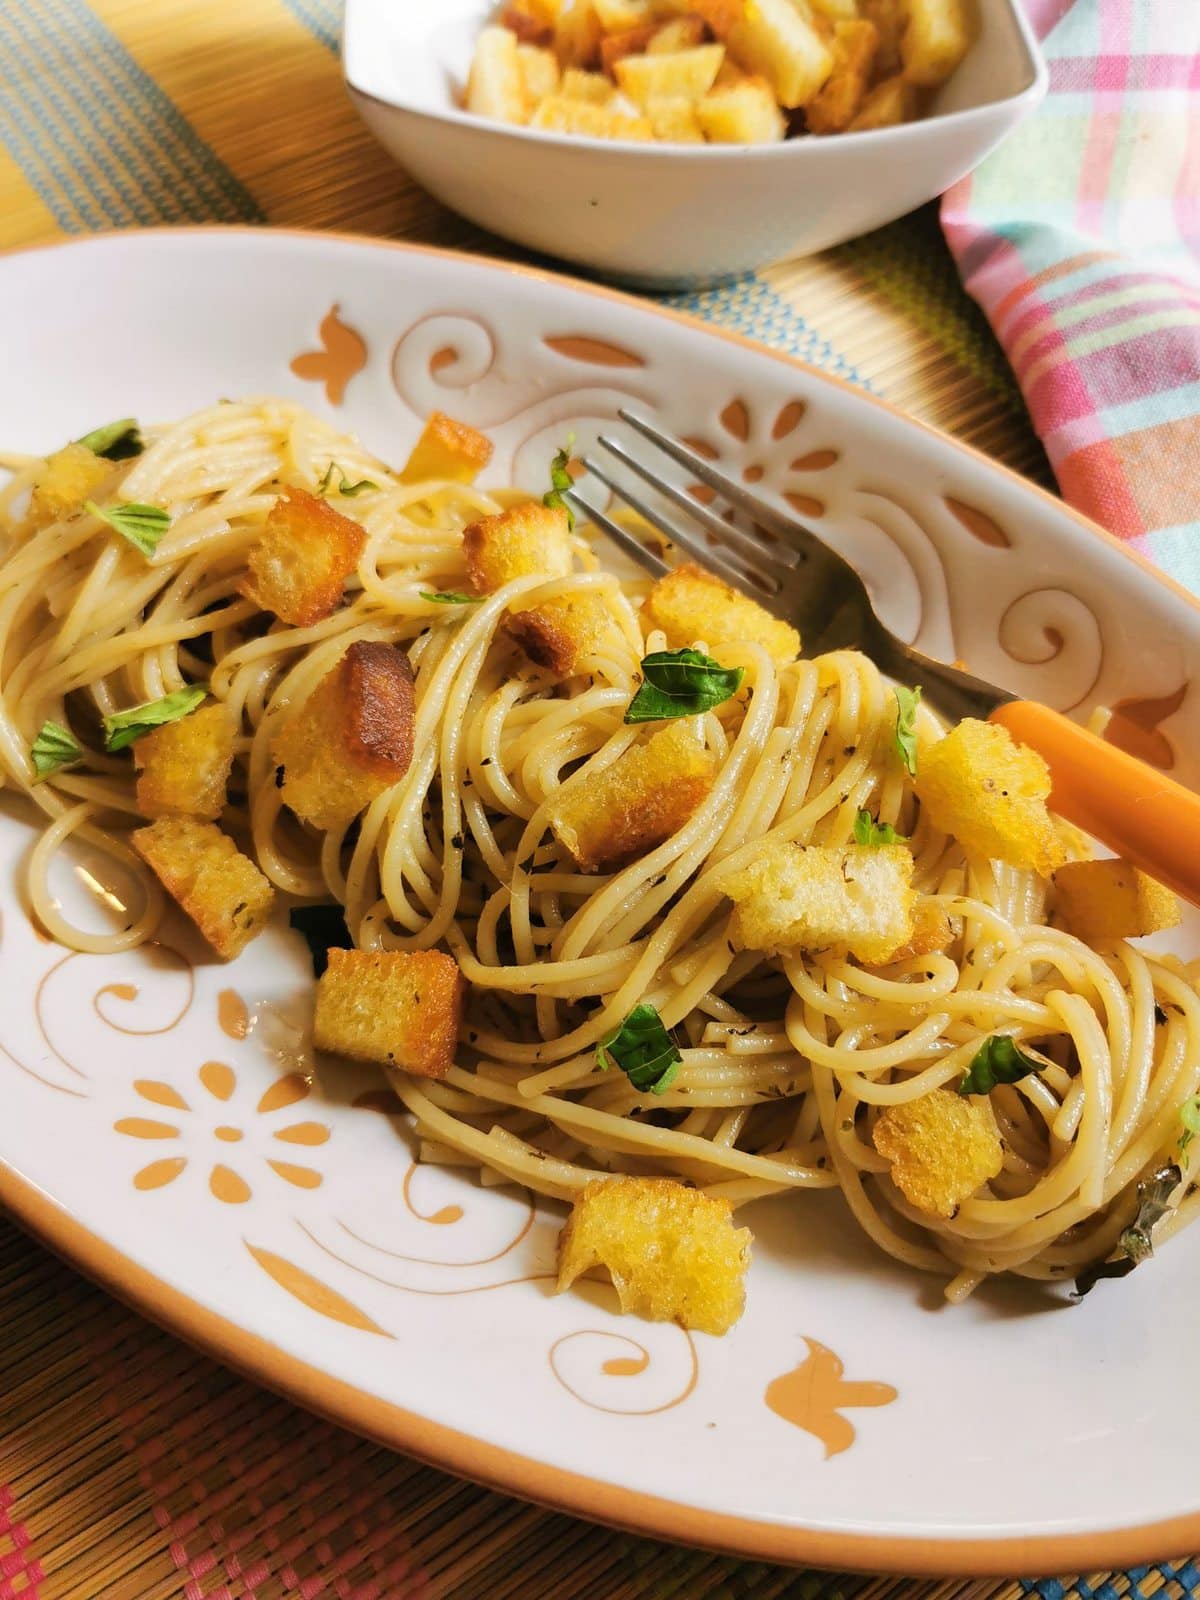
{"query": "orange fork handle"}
pixel 1134 809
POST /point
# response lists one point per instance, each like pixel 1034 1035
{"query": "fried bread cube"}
pixel 942 1147
pixel 718 15
pixel 858 900
pixel 352 738
pixel 890 18
pixel 401 1008
pixel 685 74
pixel 988 792
pixel 932 931
pixel 741 112
pixel 307 550
pixel 526 539
pixel 558 634
pixel 628 42
pixel 690 604
pixel 934 41
pixel 1113 900
pixel 183 767
pixel 774 40
pixel 672 1252
pixel 530 25
pixel 675 121
pixel 64 481
pixel 577 34
pixel 887 105
pixel 559 115
pixel 617 16
pixel 222 890
pixel 593 87
pixel 539 74
pixel 643 798
pixel 447 450
pixel 681 33
pixel 495 87
pixel 837 102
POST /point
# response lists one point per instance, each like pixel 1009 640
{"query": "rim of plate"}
pixel 493 1465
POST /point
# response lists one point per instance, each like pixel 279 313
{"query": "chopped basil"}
pixel 451 597
pixel 324 929
pixel 344 486
pixel 561 480
pixel 115 441
pixel 907 701
pixel 54 747
pixel 1189 1115
pixel 681 683
pixel 643 1050
pixel 123 727
pixel 1136 1244
pixel 998 1060
pixel 868 831
pixel 142 525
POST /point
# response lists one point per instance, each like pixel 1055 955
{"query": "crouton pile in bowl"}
pixel 655 140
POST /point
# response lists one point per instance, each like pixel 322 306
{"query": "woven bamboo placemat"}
pixel 130 1467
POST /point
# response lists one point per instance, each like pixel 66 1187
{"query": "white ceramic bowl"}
pixel 659 214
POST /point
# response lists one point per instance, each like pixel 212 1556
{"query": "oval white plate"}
pixel 849 1419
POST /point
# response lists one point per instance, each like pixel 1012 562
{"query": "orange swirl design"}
pixel 623 1367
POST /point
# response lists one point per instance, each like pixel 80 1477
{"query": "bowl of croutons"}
pixel 668 143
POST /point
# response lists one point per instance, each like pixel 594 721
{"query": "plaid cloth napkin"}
pixel 1080 238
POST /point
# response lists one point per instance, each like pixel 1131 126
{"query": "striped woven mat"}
pixel 130 1467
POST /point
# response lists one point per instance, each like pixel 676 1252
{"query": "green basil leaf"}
pixel 998 1060
pixel 868 831
pixel 1136 1243
pixel 1189 1115
pixel 644 1051
pixel 123 727
pixel 561 480
pixel 681 683
pixel 54 747
pixel 142 525
pixel 115 441
pixel 452 597
pixel 323 929
pixel 344 486
pixel 907 701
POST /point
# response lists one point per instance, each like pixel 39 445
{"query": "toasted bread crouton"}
pixel 352 738
pixel 448 451
pixel 643 798
pixel 528 22
pixel 674 120
pixel 691 604
pixel 401 1008
pixel 183 767
pixel 988 792
pixel 526 539
pixel 578 31
pixel 539 74
pixel 774 39
pixel 742 111
pixel 689 73
pixel 628 42
pixel 558 634
pixel 889 103
pixel 557 114
pixel 942 1148
pixel 932 931
pixel 1113 900
pixel 680 33
pixel 594 87
pixel 673 1253
pixel 65 480
pixel 858 900
pixel 837 102
pixel 222 890
pixel 616 16
pixel 495 87
pixel 934 41
pixel 719 15
pixel 307 550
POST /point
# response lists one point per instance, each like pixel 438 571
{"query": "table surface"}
pixel 129 1465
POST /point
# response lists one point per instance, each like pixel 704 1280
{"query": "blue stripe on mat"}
pixel 95 136
pixel 322 18
pixel 1181 1579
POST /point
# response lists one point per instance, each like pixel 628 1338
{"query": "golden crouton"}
pixel 889 103
pixel 531 26
pixel 222 890
pixel 858 900
pixel 774 39
pixel 616 16
pixel 643 798
pixel 401 1008
pixel 577 33
pixel 298 568
pixel 990 793
pixel 539 74
pixel 689 73
pixel 681 33
pixel 1113 900
pixel 674 120
pixel 557 114
pixel 351 740
pixel 690 604
pixel 942 1148
pixel 594 87
pixel 934 41
pixel 183 767
pixel 628 42
pixel 932 931
pixel 720 15
pixel 836 104
pixel 526 539
pixel 65 480
pixel 673 1253
pixel 448 451
pixel 742 111
pixel 495 87
pixel 558 634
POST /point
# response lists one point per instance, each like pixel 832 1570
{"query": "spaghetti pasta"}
pixel 788 1060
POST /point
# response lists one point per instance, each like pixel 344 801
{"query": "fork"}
pixel 1136 811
